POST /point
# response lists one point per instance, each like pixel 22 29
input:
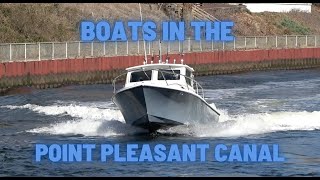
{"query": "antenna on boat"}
pixel 181 53
pixel 181 50
pixel 152 57
pixel 182 58
pixel 167 57
pixel 160 57
pixel 144 42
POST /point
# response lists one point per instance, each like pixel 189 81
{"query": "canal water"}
pixel 271 107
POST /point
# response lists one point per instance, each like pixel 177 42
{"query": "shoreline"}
pixel 102 70
pixel 28 89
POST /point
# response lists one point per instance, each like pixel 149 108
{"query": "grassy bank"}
pixel 60 21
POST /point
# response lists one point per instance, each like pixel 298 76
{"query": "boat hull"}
pixel 156 108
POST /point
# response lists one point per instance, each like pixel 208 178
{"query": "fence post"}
pixel 149 47
pixel 91 48
pixel 276 41
pixel 315 41
pixel 245 42
pixel 39 47
pixel 211 44
pixel 116 47
pixel 10 52
pixel 66 50
pixel 296 41
pixel 127 47
pixel 52 56
pixel 138 47
pixel 234 43
pixel 255 42
pixel 200 45
pixel 169 46
pixel 160 52
pixel 25 51
pixel 286 41
pixel 306 40
pixel 179 46
pixel 189 44
pixel 79 49
pixel 266 41
pixel 223 45
pixel 104 48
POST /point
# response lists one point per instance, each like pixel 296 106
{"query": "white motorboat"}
pixel 162 95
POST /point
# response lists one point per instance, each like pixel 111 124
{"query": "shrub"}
pixel 294 27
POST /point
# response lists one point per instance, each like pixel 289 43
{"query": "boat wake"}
pixel 255 124
pixel 105 120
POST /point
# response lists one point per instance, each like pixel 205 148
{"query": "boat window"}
pixel 188 74
pixel 169 75
pixel 141 76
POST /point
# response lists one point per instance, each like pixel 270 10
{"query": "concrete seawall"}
pixel 54 73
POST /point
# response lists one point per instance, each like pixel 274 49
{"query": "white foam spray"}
pixel 90 120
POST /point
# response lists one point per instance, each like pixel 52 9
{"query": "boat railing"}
pixel 198 88
pixel 191 79
pixel 115 80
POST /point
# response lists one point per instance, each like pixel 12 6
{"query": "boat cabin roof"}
pixel 159 66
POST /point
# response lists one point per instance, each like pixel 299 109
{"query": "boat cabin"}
pixel 178 75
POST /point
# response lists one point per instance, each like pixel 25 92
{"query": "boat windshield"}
pixel 169 75
pixel 141 76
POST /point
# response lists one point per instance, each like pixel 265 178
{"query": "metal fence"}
pixel 76 49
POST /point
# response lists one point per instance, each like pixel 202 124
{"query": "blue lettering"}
pixel 171 31
pixel 217 155
pixel 264 153
pixel 165 31
pixel 215 31
pixel 103 31
pixel 89 148
pixel 197 29
pixel 176 31
pixel 203 148
pixel 65 152
pixel 134 29
pixel 87 31
pixel 75 153
pixel 54 153
pixel 131 152
pixel 119 32
pixel 250 152
pixel 149 34
pixel 235 153
pixel 106 150
pixel 174 153
pixel 276 157
pixel 189 152
pixel 41 150
pixel 158 149
pixel 117 157
pixel 226 31
pixel 146 153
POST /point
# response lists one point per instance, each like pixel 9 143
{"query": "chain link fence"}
pixel 76 49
